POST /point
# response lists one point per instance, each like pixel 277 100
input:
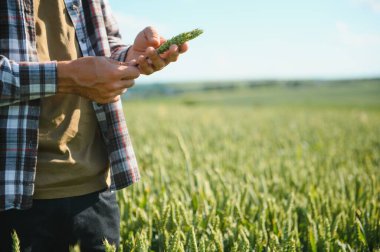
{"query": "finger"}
pixel 156 61
pixel 131 63
pixel 123 84
pixel 114 94
pixel 144 65
pixel 162 40
pixel 122 70
pixel 173 54
pixel 127 72
pixel 115 99
pixel 108 100
pixel 183 48
pixel 116 88
pixel 152 36
pixel 127 84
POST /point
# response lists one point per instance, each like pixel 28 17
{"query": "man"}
pixel 64 145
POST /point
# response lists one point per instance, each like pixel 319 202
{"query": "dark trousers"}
pixel 56 224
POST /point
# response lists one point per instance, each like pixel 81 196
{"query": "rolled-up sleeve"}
pixel 118 48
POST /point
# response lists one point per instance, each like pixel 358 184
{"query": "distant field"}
pixel 264 168
pixel 365 93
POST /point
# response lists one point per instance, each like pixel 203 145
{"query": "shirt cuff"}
pixel 120 53
pixel 37 80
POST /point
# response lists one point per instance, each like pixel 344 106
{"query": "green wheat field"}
pixel 291 166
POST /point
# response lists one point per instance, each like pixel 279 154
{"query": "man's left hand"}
pixel 144 55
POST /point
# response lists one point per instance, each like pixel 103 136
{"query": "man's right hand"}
pixel 99 79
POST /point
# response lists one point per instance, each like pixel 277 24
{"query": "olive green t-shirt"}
pixel 72 159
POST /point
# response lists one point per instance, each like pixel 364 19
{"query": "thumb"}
pixel 129 72
pixel 126 70
pixel 152 36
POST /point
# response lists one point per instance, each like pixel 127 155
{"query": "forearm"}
pixel 25 81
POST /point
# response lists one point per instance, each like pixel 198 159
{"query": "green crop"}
pixel 15 242
pixel 264 168
pixel 179 40
pixel 259 176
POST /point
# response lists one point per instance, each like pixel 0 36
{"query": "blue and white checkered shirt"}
pixel 23 81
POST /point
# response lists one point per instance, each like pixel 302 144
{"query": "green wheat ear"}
pixel 179 40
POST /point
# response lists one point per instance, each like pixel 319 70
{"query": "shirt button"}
pixel 74 7
pixel 83 40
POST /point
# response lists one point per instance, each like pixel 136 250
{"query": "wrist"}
pixel 128 55
pixel 65 77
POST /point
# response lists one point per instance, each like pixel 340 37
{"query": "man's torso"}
pixel 72 158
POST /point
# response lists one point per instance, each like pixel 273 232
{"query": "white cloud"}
pixel 372 4
pixel 352 38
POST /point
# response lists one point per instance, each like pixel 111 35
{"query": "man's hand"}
pixel 144 55
pixel 99 79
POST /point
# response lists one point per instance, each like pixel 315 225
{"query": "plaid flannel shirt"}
pixel 23 81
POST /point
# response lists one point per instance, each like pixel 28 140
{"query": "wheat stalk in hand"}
pixel 179 40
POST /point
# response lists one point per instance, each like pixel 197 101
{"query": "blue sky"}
pixel 262 39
